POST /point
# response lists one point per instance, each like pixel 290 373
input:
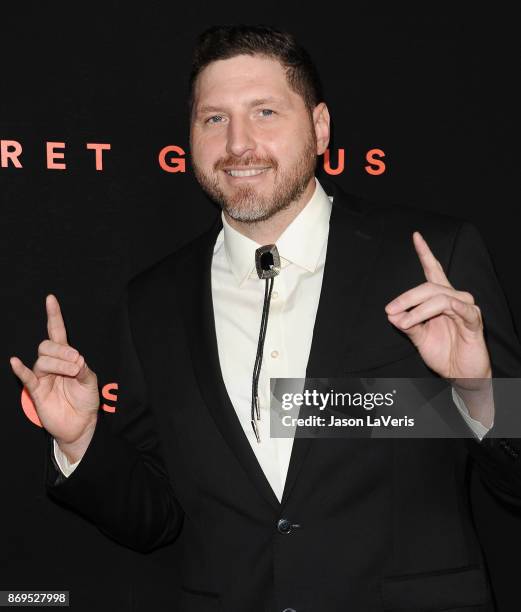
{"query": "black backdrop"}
pixel 434 91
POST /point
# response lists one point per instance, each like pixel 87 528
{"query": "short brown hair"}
pixel 227 41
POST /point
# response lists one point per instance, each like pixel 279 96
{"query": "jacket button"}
pixel 284 526
pixel 289 610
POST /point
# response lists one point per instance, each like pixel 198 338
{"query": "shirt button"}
pixel 274 295
pixel 274 354
pixel 284 526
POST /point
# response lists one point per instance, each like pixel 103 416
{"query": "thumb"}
pixel 25 374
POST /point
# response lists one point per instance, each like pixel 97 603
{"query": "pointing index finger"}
pixel 55 324
pixel 432 268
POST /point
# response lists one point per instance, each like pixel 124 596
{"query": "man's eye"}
pixel 267 112
pixel 211 119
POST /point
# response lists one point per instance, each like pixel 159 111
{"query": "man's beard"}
pixel 245 203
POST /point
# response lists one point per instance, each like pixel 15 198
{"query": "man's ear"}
pixel 321 123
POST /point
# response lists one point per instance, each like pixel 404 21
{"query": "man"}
pixel 260 523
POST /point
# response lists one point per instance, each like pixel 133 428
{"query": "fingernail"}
pixel 391 306
pixel 72 353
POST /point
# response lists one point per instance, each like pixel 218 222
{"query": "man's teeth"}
pixel 246 172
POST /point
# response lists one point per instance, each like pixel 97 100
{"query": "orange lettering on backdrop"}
pixel 99 148
pixel 106 393
pixel 52 155
pixel 370 157
pixel 29 409
pixel 174 164
pixel 327 163
pixel 12 155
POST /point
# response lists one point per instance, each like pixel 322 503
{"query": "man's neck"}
pixel 268 231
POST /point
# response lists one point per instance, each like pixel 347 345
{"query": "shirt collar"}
pixel 301 242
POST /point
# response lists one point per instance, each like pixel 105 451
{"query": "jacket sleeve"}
pixel 121 484
pixel 498 456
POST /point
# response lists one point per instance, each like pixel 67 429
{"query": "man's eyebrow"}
pixel 208 109
pixel 267 100
pixel 256 102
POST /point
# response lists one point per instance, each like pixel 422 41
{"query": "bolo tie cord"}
pixel 255 410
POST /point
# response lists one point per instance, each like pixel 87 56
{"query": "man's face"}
pixel 253 142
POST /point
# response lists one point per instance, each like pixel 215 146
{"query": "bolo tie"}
pixel 267 262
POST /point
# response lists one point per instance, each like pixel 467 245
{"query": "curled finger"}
pixel 51 365
pixel 55 349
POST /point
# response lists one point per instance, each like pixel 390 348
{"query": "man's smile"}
pixel 245 173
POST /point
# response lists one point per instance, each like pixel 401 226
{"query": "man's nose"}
pixel 240 137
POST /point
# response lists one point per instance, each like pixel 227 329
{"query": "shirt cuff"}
pixel 64 464
pixel 477 427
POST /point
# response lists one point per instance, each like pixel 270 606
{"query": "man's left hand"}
pixel 446 327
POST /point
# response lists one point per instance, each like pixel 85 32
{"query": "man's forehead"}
pixel 244 63
pixel 242 72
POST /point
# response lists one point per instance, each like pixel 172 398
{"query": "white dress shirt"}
pixel 238 295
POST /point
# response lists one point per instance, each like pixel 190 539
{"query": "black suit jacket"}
pixel 384 524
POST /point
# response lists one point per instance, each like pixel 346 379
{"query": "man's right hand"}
pixel 63 388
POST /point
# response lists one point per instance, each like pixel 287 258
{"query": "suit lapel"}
pixel 351 251
pixel 199 315
pixel 352 247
